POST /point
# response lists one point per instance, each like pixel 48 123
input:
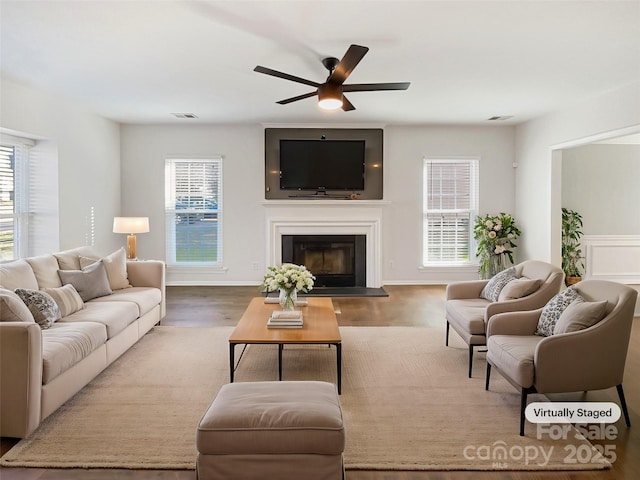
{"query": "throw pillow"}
pixel 69 259
pixel 12 308
pixel 90 282
pixel 116 265
pixel 580 315
pixel 67 298
pixel 518 288
pixel 492 289
pixel 44 309
pixel 553 309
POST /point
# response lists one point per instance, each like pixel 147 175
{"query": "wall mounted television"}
pixel 322 165
pixel 362 180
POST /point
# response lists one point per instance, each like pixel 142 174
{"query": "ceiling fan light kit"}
pixel 330 93
pixel 330 96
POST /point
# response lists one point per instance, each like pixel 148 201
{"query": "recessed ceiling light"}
pixel 184 115
pixel 500 117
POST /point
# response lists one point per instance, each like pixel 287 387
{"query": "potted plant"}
pixel 572 263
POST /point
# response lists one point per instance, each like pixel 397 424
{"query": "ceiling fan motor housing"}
pixel 330 63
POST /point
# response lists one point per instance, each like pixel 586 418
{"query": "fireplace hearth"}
pixel 335 260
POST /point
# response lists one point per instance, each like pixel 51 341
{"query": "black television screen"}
pixel 322 164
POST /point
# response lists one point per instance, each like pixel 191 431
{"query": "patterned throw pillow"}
pixel 492 289
pixel 553 309
pixel 44 309
pixel 67 298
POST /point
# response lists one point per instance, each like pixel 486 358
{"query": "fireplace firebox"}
pixel 335 260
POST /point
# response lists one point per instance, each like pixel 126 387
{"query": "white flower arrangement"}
pixel 288 277
pixel 495 235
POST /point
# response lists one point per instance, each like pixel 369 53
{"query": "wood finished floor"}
pixel 405 306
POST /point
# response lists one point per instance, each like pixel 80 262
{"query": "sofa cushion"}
pixel 67 298
pixel 90 282
pixel 492 289
pixel 45 268
pixel 115 316
pixel 65 344
pixel 12 308
pixel 17 274
pixel 116 266
pixel 146 298
pixel 70 259
pixel 518 288
pixel 468 314
pixel 513 355
pixel 553 309
pixel 44 309
pixel 580 315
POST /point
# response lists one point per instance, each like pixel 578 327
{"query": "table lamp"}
pixel 131 226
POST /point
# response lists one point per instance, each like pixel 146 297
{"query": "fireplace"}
pixel 335 260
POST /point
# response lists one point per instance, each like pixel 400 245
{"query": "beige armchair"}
pixel 469 314
pixel 589 359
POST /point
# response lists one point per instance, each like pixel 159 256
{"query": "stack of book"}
pixel 285 319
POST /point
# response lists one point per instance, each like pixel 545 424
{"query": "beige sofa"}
pixel 42 367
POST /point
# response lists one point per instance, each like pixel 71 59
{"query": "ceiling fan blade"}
pixel 347 105
pixel 286 76
pixel 372 87
pixel 295 99
pixel 347 64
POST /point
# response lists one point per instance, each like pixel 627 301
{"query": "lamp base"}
pixel 131 247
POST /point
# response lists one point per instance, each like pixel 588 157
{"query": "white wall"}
pixel 541 145
pixel 87 147
pixel 145 148
pixel 602 183
pixel 405 148
pixel 538 176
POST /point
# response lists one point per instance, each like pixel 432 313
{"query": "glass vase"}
pixel 496 264
pixel 288 299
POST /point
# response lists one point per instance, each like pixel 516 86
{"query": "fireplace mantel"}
pixel 327 217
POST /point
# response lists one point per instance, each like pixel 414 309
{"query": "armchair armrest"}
pixel 461 290
pixel 148 273
pixel 20 378
pixel 514 323
pixel 589 359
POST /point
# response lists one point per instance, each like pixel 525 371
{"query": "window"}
pixel 193 211
pixel 450 199
pixel 14 213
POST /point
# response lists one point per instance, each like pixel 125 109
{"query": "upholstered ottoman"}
pixel 272 430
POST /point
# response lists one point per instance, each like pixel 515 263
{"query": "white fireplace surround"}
pixel 334 218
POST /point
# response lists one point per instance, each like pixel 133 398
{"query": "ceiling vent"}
pixel 184 115
pixel 500 117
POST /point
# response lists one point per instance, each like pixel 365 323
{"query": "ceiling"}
pixel 140 61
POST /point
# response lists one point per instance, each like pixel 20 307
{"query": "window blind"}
pixel 450 192
pixel 14 196
pixel 193 211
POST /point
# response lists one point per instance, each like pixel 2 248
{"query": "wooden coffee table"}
pixel 320 327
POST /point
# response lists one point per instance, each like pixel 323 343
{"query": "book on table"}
pixel 285 319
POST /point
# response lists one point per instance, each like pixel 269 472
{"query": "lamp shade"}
pixel 329 96
pixel 130 225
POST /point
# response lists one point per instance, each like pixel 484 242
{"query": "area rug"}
pixel 407 401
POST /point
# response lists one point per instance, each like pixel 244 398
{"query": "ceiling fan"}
pixel 330 93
